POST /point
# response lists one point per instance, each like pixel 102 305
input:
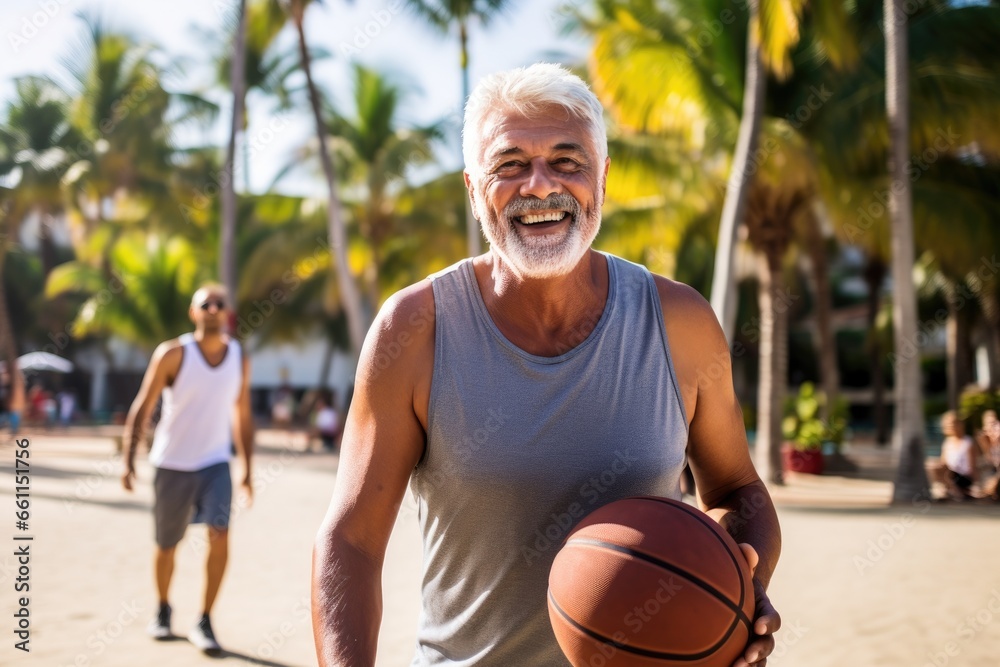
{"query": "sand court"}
pixel 859 583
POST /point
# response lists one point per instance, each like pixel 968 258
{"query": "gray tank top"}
pixel 521 447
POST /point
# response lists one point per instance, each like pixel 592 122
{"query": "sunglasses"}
pixel 218 303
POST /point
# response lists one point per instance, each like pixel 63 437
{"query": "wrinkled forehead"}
pixel 548 127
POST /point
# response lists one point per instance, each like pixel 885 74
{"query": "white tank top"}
pixel 957 455
pixel 195 429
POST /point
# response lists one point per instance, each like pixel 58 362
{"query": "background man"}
pixel 205 381
pixel 547 364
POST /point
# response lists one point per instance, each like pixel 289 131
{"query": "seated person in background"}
pixel 989 443
pixel 327 421
pixel 958 457
pixel 282 406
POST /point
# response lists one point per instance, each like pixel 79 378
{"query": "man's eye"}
pixel 566 163
pixel 511 166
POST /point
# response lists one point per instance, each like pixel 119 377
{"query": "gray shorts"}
pixel 198 496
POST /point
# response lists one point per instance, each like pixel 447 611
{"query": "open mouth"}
pixel 543 220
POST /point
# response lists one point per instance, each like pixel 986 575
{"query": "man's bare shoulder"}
pixel 408 305
pixel 169 350
pixel 685 303
pixel 403 331
pixel 690 322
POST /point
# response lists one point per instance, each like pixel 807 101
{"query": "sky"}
pixel 35 35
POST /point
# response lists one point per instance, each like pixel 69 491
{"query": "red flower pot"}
pixel 794 460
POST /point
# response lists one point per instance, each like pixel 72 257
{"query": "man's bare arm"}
pixel 162 366
pixel 243 432
pixel 729 489
pixel 383 441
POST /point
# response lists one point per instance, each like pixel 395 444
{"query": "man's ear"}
pixel 604 183
pixel 472 194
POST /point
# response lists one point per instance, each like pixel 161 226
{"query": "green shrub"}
pixel 973 402
pixel 802 425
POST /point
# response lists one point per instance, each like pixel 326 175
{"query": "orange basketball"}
pixel 650 582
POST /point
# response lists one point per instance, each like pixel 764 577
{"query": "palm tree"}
pixel 251 64
pixel 816 248
pixel 908 439
pixel 350 298
pixel 237 80
pixel 158 276
pixel 967 194
pixel 38 139
pixel 288 277
pixel 126 120
pixel 8 345
pixel 773 30
pixel 954 84
pixel 692 98
pixel 375 152
pixel 35 143
pixel 769 214
pixel 723 296
pixel 635 41
pixel 442 15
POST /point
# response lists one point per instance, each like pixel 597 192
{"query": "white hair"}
pixel 526 91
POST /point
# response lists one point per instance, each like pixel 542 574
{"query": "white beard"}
pixel 542 256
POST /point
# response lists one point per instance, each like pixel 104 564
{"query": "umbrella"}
pixel 44 361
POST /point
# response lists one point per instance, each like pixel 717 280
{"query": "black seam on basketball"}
pixel 707 587
pixel 690 511
pixel 635 650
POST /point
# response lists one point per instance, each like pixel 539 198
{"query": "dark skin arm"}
pixel 729 488
pixel 161 372
pixel 383 441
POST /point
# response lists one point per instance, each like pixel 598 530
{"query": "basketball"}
pixel 650 582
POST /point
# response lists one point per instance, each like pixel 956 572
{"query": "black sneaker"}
pixel 203 637
pixel 159 627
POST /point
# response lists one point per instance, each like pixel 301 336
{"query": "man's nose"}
pixel 541 181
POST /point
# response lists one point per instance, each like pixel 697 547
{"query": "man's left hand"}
pixel 765 623
pixel 246 493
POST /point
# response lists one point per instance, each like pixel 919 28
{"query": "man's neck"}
pixel 209 340
pixel 547 316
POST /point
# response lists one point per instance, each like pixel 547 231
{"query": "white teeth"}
pixel 543 217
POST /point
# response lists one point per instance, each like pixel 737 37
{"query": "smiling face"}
pixel 538 190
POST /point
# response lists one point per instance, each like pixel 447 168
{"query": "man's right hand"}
pixel 128 476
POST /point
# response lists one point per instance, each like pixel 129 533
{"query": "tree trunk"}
pixel 46 245
pixel 227 236
pixel 245 146
pixel 773 368
pixel 826 341
pixel 8 346
pixel 724 294
pixel 990 306
pixel 908 436
pixel 952 334
pixel 875 271
pixel 349 296
pixel 373 269
pixel 472 234
pixel 324 367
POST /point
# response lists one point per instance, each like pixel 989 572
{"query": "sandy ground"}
pixel 859 584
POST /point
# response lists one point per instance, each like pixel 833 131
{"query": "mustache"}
pixel 521 205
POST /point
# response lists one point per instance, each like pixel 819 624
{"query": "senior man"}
pixel 517 379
